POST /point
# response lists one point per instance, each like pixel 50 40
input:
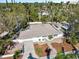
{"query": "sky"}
pixel 57 1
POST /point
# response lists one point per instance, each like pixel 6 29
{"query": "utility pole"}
pixel 14 1
pixel 6 3
pixel 11 1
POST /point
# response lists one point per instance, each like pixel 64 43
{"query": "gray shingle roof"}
pixel 37 30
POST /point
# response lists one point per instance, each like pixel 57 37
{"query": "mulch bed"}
pixel 42 48
pixel 58 46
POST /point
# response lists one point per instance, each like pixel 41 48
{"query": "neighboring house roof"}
pixel 37 30
pixel 3 34
pixel 65 25
pixel 43 12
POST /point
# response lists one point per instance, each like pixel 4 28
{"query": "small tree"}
pixel 50 37
pixel 16 55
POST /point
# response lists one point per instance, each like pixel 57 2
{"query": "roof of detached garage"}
pixel 37 30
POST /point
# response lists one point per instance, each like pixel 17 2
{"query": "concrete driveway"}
pixel 29 48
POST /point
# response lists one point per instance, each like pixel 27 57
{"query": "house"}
pixel 39 32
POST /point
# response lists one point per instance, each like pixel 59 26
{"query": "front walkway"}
pixel 29 48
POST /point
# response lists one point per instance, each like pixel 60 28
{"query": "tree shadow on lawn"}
pixel 48 51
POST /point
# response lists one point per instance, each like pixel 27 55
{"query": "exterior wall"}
pixel 35 22
pixel 38 39
pixel 58 36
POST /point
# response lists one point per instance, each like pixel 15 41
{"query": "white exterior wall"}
pixel 58 36
pixel 36 39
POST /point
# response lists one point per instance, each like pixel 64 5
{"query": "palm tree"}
pixel 16 55
pixel 67 2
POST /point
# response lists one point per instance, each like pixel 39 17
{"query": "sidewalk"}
pixel 53 50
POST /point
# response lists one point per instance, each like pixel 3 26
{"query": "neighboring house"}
pixel 7 9
pixel 3 34
pixel 38 32
pixel 43 13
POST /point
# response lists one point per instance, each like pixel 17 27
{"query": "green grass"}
pixel 39 51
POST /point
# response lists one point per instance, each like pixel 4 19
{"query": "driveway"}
pixel 29 48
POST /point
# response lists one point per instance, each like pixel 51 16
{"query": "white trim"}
pixel 36 39
pixel 4 56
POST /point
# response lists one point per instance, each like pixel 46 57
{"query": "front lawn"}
pixel 40 49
